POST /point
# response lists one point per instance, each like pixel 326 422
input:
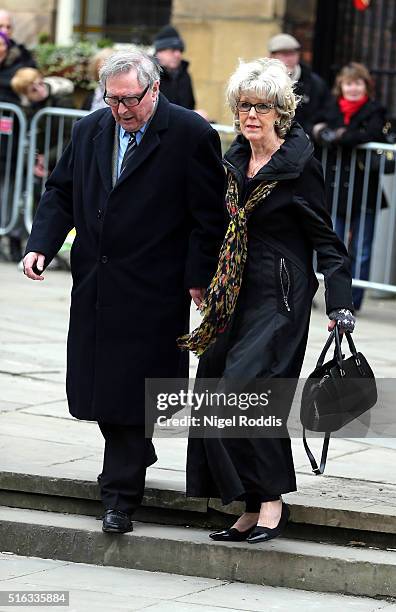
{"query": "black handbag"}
pixel 335 393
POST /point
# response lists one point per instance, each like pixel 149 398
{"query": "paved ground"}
pixel 38 435
pixel 111 589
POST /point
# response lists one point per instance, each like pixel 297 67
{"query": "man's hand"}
pixel 197 294
pixel 32 263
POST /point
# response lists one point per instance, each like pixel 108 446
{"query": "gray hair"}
pixel 267 79
pixel 122 62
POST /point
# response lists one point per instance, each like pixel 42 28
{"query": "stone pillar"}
pixel 217 33
pixel 64 22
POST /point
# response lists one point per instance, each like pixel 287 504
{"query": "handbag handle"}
pixel 326 347
pixel 337 352
pixel 315 469
pixel 352 348
pixel 334 335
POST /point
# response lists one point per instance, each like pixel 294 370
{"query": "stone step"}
pixel 312 517
pixel 282 562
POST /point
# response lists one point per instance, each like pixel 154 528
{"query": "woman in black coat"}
pixel 354 118
pixel 264 305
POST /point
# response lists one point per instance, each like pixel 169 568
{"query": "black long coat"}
pixel 177 86
pixel 139 247
pixel 365 126
pixel 268 335
pixel 315 98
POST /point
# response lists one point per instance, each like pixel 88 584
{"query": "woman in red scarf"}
pixel 353 119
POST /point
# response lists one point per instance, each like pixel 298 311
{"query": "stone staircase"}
pixel 329 546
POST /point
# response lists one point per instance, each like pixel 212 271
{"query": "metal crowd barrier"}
pixel 369 165
pixel 12 155
pixel 55 126
pixel 49 132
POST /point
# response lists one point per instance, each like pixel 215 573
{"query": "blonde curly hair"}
pixel 267 79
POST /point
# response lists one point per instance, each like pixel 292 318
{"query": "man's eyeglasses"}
pixel 261 107
pixel 128 101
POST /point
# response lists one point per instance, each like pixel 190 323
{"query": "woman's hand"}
pixel 197 294
pixel 344 320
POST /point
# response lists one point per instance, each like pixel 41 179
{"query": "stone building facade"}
pixel 216 32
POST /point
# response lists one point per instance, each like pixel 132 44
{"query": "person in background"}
pixel 12 57
pixel 94 99
pixel 16 56
pixel 312 89
pixel 353 118
pixel 175 82
pixel 35 93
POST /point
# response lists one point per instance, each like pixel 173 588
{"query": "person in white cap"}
pixel 314 93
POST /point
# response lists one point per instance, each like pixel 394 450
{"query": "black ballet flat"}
pixel 231 535
pixel 263 534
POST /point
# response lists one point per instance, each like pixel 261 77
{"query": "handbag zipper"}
pixel 285 292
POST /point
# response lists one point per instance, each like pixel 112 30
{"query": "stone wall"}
pixel 217 33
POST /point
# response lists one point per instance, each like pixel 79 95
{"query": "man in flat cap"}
pixel 315 95
pixel 175 82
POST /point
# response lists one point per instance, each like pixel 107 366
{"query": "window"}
pixel 124 21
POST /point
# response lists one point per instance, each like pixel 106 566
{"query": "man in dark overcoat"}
pixel 143 184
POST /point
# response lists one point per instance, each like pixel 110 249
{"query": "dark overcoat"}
pixel 139 247
pixel 177 86
pixel 365 126
pixel 315 98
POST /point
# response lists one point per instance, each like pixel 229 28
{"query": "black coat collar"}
pixel 286 163
pixel 104 142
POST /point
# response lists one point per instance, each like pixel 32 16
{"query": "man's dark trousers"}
pixel 127 454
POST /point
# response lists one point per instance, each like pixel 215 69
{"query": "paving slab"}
pixel 23 389
pixel 92 587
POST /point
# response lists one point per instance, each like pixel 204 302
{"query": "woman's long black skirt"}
pixel 266 340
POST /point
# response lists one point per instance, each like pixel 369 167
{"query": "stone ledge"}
pixel 282 562
pixel 373 515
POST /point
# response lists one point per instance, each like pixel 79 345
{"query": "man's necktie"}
pixel 129 151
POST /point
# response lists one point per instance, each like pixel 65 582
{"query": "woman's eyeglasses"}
pixel 128 101
pixel 262 108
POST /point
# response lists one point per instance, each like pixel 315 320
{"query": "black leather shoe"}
pixel 231 535
pixel 115 521
pixel 263 534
